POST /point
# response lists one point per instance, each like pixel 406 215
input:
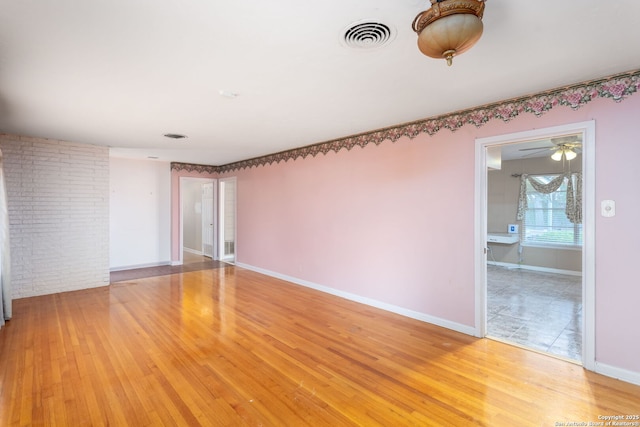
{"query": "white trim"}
pixel 191 251
pixel 136 266
pixel 551 246
pixel 511 265
pixel 205 224
pixel 589 245
pixel 216 228
pixel 587 129
pixel 618 373
pixel 364 300
pixel 480 238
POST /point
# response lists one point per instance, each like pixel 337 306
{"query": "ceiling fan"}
pixel 566 147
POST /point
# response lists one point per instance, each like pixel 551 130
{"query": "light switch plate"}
pixel 608 208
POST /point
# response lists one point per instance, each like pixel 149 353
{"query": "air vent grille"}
pixel 174 135
pixel 367 35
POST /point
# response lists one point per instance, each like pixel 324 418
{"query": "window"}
pixel 545 221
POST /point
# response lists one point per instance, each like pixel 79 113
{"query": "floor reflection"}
pixel 209 299
pixel 227 301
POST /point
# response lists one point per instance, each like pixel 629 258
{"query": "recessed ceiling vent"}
pixel 174 135
pixel 367 35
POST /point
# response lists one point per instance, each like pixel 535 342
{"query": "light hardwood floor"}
pixel 229 347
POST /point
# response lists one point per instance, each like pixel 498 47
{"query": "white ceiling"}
pixel 535 148
pixel 124 72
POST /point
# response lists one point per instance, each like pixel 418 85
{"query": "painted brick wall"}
pixel 58 197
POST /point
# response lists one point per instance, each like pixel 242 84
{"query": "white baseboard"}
pixel 600 368
pixel 618 373
pixel 469 330
pixel 191 251
pixel 133 267
pixel 535 268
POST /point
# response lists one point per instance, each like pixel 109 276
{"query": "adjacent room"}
pixel 348 213
pixel 535 246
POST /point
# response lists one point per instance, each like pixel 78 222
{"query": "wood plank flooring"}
pixel 191 263
pixel 228 347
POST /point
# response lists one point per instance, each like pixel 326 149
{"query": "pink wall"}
pixel 367 222
pixel 618 238
pixel 395 222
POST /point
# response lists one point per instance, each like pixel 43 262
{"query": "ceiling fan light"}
pixel 449 27
pixel 557 156
pixel 570 154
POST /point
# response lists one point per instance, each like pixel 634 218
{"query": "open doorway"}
pixel 533 278
pixel 198 219
pixel 534 258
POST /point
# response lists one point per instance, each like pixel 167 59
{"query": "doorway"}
pixel 198 218
pixel 534 278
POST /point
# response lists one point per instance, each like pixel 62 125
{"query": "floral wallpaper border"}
pixel 188 167
pixel 616 87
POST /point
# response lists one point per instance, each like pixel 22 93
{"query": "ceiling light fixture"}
pixel 449 27
pixel 567 152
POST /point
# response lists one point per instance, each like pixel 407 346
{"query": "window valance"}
pixel 573 209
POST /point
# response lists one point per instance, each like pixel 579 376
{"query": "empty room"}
pixel 197 231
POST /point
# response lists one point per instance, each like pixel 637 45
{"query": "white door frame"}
pixel 183 181
pixel 209 223
pixel 587 129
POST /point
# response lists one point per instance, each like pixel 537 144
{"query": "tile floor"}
pixel 542 311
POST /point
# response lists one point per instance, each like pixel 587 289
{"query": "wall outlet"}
pixel 513 228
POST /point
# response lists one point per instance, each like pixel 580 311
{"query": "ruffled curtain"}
pixel 5 261
pixel 574 194
pixel 574 199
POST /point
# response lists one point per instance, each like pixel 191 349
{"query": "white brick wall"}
pixel 58 197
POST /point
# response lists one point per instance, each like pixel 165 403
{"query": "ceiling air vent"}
pixel 174 135
pixel 367 35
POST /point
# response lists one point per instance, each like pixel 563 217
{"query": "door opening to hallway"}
pixel 198 218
